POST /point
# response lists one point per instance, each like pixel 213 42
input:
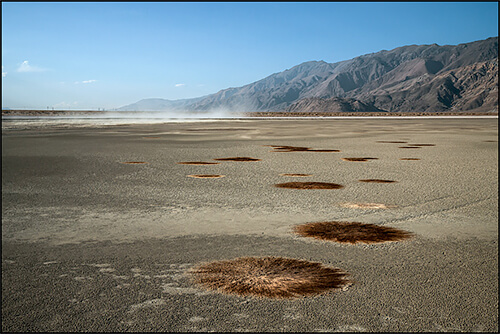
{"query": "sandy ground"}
pixel 90 243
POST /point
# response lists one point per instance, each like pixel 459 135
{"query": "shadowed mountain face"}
pixel 460 77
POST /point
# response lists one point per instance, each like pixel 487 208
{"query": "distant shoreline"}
pixel 265 114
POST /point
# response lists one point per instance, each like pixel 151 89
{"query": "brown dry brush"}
pixel 206 176
pixel 377 181
pixel 351 232
pixel 272 277
pixel 358 159
pixel 309 185
pixel 289 148
pixel 197 163
pixel 298 149
pixel 238 159
pixel 394 142
pixel 322 150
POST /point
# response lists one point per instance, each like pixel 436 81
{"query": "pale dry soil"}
pixel 92 244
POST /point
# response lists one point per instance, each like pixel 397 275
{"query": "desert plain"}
pixel 101 223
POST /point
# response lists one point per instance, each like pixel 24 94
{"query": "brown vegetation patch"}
pixel 197 163
pixel 393 142
pixel 324 150
pixel 271 277
pixel 219 129
pixel 409 147
pixel 134 162
pixel 297 149
pixel 238 159
pixel 358 159
pixel 289 148
pixel 421 144
pixel 295 174
pixel 409 159
pixel 309 185
pixel 367 205
pixel 490 141
pixel 377 181
pixel 206 176
pixel 351 232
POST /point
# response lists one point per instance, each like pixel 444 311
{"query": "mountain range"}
pixel 461 77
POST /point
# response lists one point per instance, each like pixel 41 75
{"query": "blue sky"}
pixel 90 55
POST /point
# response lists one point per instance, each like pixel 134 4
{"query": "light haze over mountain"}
pixel 460 77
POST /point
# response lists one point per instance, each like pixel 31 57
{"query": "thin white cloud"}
pixel 85 82
pixel 3 73
pixel 26 67
pixel 180 85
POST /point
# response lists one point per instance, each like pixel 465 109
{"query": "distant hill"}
pixel 460 77
pixel 333 104
pixel 156 104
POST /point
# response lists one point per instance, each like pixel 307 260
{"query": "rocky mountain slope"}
pixel 460 77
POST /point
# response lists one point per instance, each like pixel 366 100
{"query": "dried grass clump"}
pixel 206 176
pixel 238 159
pixel 393 142
pixel 134 162
pixel 321 150
pixel 197 163
pixel 297 149
pixel 358 159
pixel 351 232
pixel 309 185
pixel 377 181
pixel 271 277
pixel 295 174
pixel 367 205
pixel 289 148
pixel 421 144
pixel 409 147
pixel 409 159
